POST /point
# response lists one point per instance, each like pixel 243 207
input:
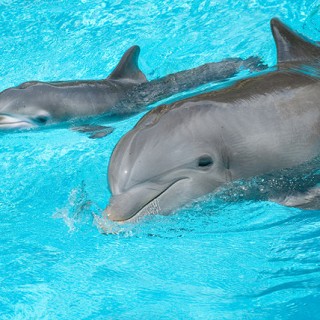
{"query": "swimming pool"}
pixel 215 259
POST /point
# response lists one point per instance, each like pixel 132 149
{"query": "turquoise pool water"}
pixel 214 259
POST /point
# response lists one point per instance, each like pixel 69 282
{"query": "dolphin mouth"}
pixel 8 122
pixel 149 207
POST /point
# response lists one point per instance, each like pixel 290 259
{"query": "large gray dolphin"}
pixel 125 91
pixel 179 152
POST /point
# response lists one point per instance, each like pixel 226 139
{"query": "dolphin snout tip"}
pixel 109 214
pixel 113 214
pixel 122 207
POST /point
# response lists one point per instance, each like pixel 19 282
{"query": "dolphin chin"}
pixel 9 122
pixel 136 203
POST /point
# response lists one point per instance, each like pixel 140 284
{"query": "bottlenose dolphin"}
pixel 125 91
pixel 181 151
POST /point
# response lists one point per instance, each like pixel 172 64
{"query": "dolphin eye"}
pixel 205 161
pixel 42 119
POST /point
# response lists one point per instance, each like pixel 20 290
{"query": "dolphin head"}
pixel 168 159
pixel 17 113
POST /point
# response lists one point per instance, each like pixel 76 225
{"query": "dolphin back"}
pixel 292 47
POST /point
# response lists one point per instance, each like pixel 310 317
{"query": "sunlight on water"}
pixel 234 255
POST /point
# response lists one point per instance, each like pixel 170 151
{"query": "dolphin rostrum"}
pixel 179 152
pixel 125 91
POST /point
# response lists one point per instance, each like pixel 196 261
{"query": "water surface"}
pixel 215 259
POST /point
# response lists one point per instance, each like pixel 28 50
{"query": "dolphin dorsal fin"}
pixel 292 47
pixel 128 69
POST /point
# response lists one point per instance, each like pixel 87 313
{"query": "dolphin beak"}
pixel 124 206
pixel 9 122
pixel 138 201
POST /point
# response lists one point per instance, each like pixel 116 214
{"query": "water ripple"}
pixel 232 256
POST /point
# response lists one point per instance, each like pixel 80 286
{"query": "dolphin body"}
pixel 125 91
pixel 181 151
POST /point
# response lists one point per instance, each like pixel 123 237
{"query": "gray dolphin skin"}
pixel 179 152
pixel 125 91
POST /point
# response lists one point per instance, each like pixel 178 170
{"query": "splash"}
pixel 75 210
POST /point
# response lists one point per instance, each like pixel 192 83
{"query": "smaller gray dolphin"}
pixel 179 152
pixel 125 91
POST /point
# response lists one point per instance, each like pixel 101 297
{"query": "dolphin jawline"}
pixel 17 124
pixel 6 123
pixel 135 216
